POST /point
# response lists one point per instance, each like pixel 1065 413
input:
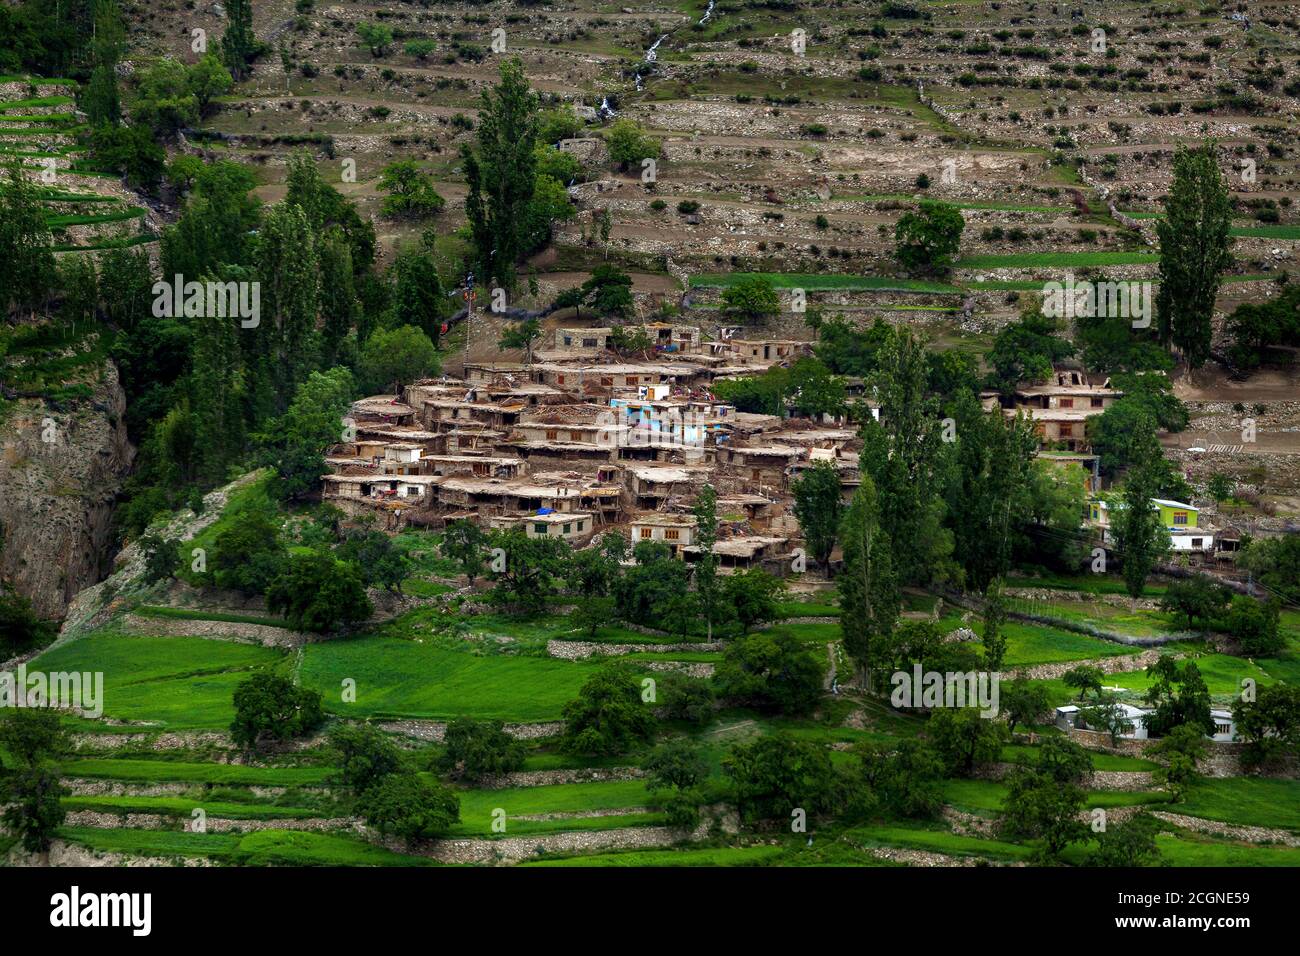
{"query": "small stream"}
pixel 606 110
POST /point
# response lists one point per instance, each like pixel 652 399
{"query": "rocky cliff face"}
pixel 61 467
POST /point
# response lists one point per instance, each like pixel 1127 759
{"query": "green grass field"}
pixel 400 678
pixel 182 683
pixel 167 771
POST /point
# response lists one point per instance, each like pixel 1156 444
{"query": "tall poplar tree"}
pixel 868 587
pixel 288 267
pixel 238 45
pixel 1194 243
pixel 502 173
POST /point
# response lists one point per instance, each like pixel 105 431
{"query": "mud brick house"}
pixel 762 464
pixel 675 530
pixel 576 527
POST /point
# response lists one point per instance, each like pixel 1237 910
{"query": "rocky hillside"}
pixel 62 463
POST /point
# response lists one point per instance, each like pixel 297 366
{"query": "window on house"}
pixel 465 442
pixel 552 435
pixel 568 340
pixel 1096 403
pixel 581 525
pixel 588 343
pixel 1196 542
pixel 607 381
pixel 1180 517
pixel 568 528
pixel 646 532
pixel 1222 728
pixel 1067 403
pixel 539 528
pixel 672 534
pixel 575 436
pixel 1067 431
pixel 756 474
pixel 559 380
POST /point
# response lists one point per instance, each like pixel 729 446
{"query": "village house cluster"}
pixel 580 441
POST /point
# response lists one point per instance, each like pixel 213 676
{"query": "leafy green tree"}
pixel 207 80
pixel 238 45
pixel 771 671
pixel 296 442
pixel 685 698
pixel 1255 625
pixel 32 735
pixel 1026 351
pixel 21 627
pixel 534 569
pixel 1023 703
pixel 775 775
pixel 339 306
pixel 521 335
pixel 549 204
pixel 268 706
pixel 1083 678
pixel 216 223
pixel 249 553
pixel 903 454
pixel 1269 726
pixel 417 299
pixel 464 542
pixel 124 287
pixel 1179 695
pixel 907 778
pixel 629 144
pixel 675 771
pixel 100 100
pixel 1194 240
pixel 364 756
pixel 392 358
pixel 644 592
pixel 375 37
pixel 35 808
pixel 868 589
pixel 1039 806
pixel 289 269
pixel 217 393
pixel 927 240
pixel 1275 563
pixel 608 716
pixel 501 175
pixel 406 806
pixel 557 123
pixel 420 49
pixel 750 298
pixel 316 592
pixel 161 558
pixel 819 509
pixel 755 595
pixel 815 391
pixel 964 739
pixel 1130 843
pixel 1140 538
pixel 995 615
pixel 988 491
pixel 379 561
pixel 1197 598
pixel 1064 761
pixel 1107 714
pixel 410 191
pixel 164 100
pixel 1183 748
pixel 474 749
